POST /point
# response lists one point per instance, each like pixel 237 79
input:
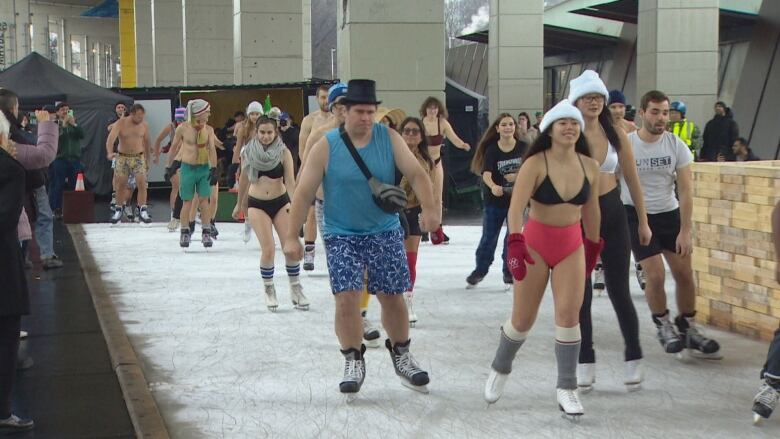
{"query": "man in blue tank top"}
pixel 359 236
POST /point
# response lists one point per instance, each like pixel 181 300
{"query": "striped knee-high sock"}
pixel 293 272
pixel 267 273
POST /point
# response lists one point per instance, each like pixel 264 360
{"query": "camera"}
pixel 284 123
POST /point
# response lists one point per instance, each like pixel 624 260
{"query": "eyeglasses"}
pixel 411 131
pixel 592 98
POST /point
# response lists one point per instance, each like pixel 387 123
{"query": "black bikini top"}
pixel 276 172
pixel 546 193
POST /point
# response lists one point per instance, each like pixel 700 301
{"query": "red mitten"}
pixel 517 256
pixel 592 252
pixel 437 236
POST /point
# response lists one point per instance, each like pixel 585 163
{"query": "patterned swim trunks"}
pixel 381 254
pixel 130 164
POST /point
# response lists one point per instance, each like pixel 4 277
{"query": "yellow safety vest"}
pixel 684 130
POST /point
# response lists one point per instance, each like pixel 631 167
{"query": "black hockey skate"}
pixel 766 399
pixel 406 367
pixel 667 335
pixel 697 344
pixel 354 370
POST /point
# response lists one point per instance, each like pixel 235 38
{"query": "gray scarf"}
pixel 256 157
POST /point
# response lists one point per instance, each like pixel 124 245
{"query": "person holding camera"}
pixel 362 233
pixel 62 173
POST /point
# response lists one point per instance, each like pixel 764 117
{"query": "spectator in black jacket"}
pixel 720 133
pixel 742 152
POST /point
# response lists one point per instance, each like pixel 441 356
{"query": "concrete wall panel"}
pixel 401 11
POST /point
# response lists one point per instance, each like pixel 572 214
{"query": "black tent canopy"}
pixel 40 82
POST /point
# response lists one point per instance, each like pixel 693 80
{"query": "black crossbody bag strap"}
pixel 358 160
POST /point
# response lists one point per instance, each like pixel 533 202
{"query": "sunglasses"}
pixel 411 131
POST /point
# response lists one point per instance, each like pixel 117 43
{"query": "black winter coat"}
pixel 14 297
pixel 719 135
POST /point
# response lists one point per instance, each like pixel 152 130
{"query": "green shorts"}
pixel 192 178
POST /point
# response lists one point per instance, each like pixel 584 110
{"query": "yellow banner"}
pixel 127 42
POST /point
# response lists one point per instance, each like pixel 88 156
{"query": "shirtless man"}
pixel 134 146
pixel 310 124
pixel 120 110
pixel 198 167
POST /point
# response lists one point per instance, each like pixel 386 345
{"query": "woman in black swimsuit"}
pixel 559 180
pixel 267 179
pixel 434 116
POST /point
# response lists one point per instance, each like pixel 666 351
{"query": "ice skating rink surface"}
pixel 219 364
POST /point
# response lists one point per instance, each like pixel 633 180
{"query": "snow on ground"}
pixel 221 365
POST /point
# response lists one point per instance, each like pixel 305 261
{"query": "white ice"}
pixel 220 364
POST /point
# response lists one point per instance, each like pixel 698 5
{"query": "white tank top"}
pixel 610 161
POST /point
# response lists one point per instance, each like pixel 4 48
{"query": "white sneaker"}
pixel 408 296
pixel 494 387
pixel 247 232
pixel 569 402
pixel 634 375
pixel 586 376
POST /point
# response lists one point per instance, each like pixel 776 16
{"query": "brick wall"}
pixel 733 257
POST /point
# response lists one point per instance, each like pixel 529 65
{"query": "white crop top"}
pixel 610 161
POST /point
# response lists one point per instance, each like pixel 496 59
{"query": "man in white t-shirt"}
pixel 663 160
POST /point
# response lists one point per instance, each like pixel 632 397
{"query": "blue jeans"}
pixel 44 233
pixel 62 175
pixel 493 218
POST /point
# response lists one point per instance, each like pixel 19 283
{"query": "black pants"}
pixel 9 352
pixel 772 366
pixel 177 205
pixel 615 258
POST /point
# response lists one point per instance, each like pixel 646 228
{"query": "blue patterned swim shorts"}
pixel 381 254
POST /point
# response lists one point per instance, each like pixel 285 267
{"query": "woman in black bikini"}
pixel 267 179
pixel 560 181
pixel 434 116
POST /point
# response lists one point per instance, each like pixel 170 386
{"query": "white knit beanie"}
pixel 588 82
pixel 563 110
pixel 254 107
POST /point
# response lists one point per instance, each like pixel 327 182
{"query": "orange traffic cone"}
pixel 80 182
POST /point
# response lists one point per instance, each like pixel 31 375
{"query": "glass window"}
pixel 54 50
pixel 76 58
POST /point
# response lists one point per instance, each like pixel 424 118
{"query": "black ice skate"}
pixel 205 237
pixel 354 370
pixel 184 239
pixel 370 333
pixel 406 367
pixel 697 344
pixel 667 335
pixel 765 400
pixel 116 216
pixel 473 279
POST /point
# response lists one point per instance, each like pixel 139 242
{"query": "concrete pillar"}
pixel 7 35
pixel 399 44
pixel 268 41
pixel 621 75
pixel 208 40
pixel 516 56
pixel 677 53
pixel 19 44
pixel 167 43
pixel 40 36
pixel 127 42
pixel 306 43
pixel 144 55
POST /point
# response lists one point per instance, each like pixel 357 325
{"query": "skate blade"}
pixel 273 308
pixel 585 389
pixel 470 287
pixel 569 416
pixel 373 344
pixel 633 387
pixel 702 356
pixel 301 307
pixel 413 324
pixel 422 389
pixel 757 419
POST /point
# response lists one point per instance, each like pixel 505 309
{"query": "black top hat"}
pixel 361 91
